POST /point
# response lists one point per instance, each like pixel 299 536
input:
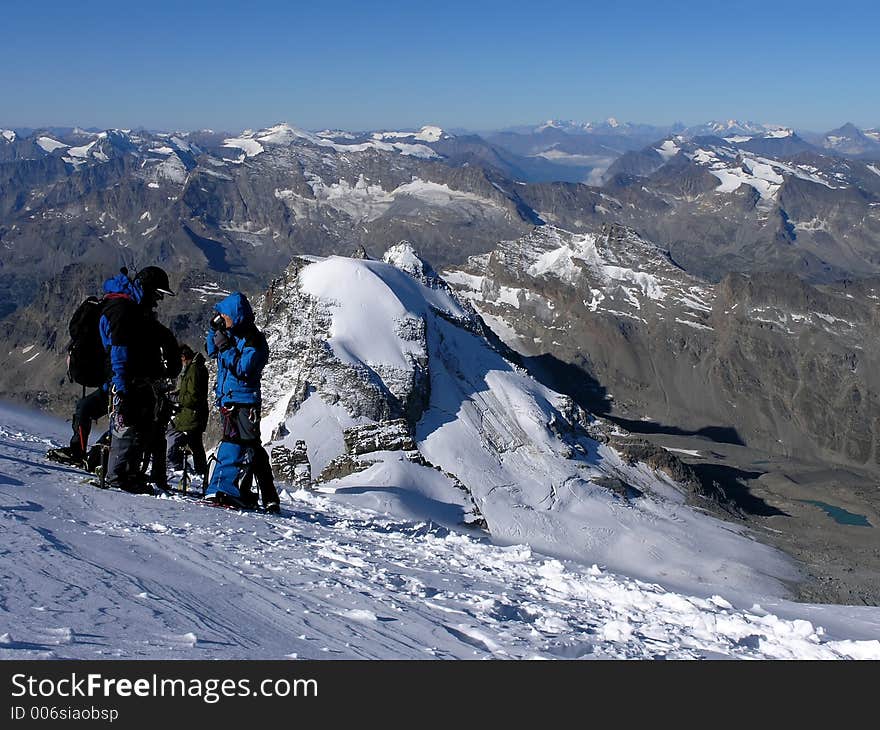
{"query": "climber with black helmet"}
pixel 137 347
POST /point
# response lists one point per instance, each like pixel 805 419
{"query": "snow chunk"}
pixel 686 452
pixel 425 134
pixel 365 201
pixel 359 614
pixel 435 193
pixel 318 423
pixel 430 134
pixel 695 325
pixel 404 257
pixel 250 147
pixel 49 145
pixel 667 150
pixel 361 201
pixel 82 152
pixel 415 150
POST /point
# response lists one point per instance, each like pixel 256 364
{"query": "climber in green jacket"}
pixel 188 426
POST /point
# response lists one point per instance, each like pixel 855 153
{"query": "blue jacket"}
pixel 119 326
pixel 138 346
pixel 239 367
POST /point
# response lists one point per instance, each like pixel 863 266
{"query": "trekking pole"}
pixel 105 448
pixel 184 480
pixel 105 462
pixel 206 480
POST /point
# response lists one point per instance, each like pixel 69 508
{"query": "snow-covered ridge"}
pixel 735 127
pixel 572 126
pixel 253 143
pixel 565 263
pixel 734 167
pixel 610 272
pixel 425 134
pixel 357 338
pixel 365 201
pixel 7 135
pixel 250 147
pixel 367 285
pixel 620 275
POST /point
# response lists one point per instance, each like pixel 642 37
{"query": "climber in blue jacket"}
pixel 241 352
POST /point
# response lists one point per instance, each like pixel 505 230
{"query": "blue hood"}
pixel 237 307
pixel 121 284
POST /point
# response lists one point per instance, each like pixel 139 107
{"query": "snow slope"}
pixel 91 574
pixel 536 473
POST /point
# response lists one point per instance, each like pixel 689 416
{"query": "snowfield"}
pixel 88 574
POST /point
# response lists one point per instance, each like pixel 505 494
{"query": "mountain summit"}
pixel 393 388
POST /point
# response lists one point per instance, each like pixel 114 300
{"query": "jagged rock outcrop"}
pixel 371 438
pixel 292 465
pixel 299 328
pixel 356 395
pixel 393 435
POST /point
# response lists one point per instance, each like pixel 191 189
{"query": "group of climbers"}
pixel 154 426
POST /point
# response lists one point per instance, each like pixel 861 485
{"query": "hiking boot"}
pixel 226 500
pixel 68 456
pixel 248 499
pixel 134 486
pixel 272 508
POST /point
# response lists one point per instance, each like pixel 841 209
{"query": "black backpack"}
pixel 86 358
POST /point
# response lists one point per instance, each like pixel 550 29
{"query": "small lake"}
pixel 840 515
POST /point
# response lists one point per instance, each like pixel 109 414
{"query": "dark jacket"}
pixel 138 346
pixel 240 366
pixel 193 397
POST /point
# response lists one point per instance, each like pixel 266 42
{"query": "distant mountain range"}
pixel 721 280
pixel 229 211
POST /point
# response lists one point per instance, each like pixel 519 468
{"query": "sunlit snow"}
pixel 47 144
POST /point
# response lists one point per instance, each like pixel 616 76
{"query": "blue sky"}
pixel 479 65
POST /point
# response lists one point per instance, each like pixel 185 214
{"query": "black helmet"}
pixel 154 279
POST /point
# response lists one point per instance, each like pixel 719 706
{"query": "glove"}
pixel 222 341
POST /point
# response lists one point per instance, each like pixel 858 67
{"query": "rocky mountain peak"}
pixel 380 377
pixel 404 257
